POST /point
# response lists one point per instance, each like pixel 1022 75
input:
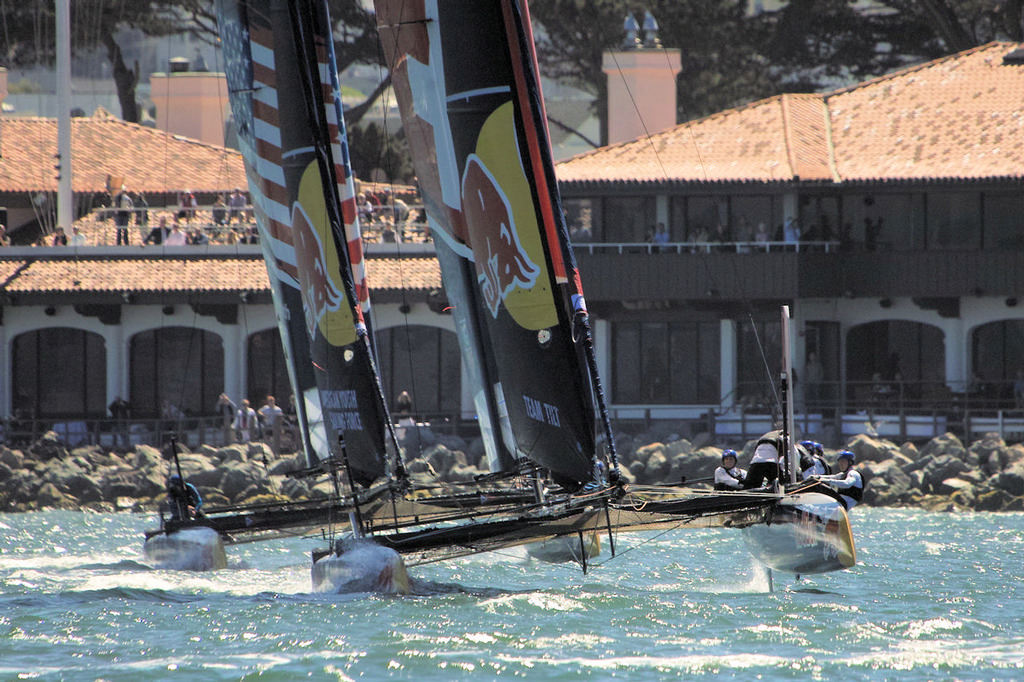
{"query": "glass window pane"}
pixel 954 220
pixel 1002 221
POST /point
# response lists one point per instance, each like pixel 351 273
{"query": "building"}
pixel 904 281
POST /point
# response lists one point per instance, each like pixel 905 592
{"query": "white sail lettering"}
pixel 346 421
pixel 552 414
pixel 534 408
pixel 339 400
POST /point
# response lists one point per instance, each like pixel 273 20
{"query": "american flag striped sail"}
pixel 286 106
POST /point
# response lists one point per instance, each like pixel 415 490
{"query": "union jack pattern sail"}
pixel 285 100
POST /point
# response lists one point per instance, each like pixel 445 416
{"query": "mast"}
pixel 792 461
pixel 65 197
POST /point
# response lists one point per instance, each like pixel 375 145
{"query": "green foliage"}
pixel 373 152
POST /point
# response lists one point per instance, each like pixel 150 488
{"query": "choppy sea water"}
pixel 933 597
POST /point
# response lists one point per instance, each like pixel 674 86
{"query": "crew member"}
pixel 183 499
pixel 764 465
pixel 812 460
pixel 848 481
pixel 729 476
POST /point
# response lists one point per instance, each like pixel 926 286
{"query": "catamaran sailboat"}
pixel 473 115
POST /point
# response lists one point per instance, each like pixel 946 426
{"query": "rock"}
pixel 678 447
pixel 12 458
pixel 946 444
pixel 49 446
pixel 939 468
pixel 294 489
pixel 657 468
pixel 50 496
pixel 146 457
pixel 980 451
pixel 462 472
pixel 868 449
pixel 440 458
pixel 1011 480
pixel 286 465
pixel 992 500
pixel 885 483
pixel 238 476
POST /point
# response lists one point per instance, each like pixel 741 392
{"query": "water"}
pixel 933 597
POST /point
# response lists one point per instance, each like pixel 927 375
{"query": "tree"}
pixel 731 56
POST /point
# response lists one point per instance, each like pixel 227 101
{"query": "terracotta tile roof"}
pixel 156 273
pixel 955 118
pixel 958 117
pixel 149 160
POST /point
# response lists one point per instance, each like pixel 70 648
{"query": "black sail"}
pixel 285 101
pixel 465 78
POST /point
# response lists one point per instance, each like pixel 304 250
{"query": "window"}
pixel 59 372
pixel 954 220
pixel 627 219
pixel 899 352
pixel 180 367
pixel 657 363
pixel 425 361
pixel 997 354
pixel 884 222
pixel 1003 221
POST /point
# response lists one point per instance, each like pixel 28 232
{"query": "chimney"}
pixel 641 83
pixel 190 102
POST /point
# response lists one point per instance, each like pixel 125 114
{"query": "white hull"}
pixel 363 566
pixel 805 533
pixel 189 549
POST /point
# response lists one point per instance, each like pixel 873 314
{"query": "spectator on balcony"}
pixel 187 205
pixel 122 215
pixel 4 239
pixel 661 236
pixel 219 211
pixel 59 238
pixel 196 237
pixel 77 238
pixel 791 231
pixel 158 233
pixel 176 237
pixel 236 206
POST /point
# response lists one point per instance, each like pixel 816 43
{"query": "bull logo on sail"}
pixel 323 298
pixel 501 262
pixel 503 231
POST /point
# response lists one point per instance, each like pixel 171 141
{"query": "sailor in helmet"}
pixel 183 499
pixel 812 460
pixel 729 476
pixel 848 481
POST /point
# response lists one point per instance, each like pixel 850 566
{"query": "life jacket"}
pixel 856 492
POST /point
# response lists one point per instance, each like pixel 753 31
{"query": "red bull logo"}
pixel 502 264
pixel 319 294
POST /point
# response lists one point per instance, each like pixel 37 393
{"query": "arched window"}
pixel 997 354
pixel 59 372
pixel 179 367
pixel 424 361
pixel 267 371
pixel 907 357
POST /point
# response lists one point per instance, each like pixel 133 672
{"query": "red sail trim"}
pixel 533 141
pixel 266 113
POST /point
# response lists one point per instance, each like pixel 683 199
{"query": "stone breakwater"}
pixel 943 474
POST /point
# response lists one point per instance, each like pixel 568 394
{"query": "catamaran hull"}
pixel 804 533
pixel 363 566
pixel 189 549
